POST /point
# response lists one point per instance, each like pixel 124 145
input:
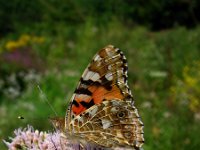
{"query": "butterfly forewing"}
pixel 104 78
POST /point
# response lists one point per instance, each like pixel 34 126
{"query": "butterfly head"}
pixel 58 123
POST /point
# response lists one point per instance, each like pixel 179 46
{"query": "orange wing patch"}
pixel 99 93
pixel 79 104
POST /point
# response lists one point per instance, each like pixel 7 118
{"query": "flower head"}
pixel 29 138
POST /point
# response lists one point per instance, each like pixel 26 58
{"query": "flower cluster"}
pixel 187 90
pixel 12 85
pixel 29 138
pixel 23 41
pixel 18 60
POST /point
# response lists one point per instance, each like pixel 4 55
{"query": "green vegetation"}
pixel 164 73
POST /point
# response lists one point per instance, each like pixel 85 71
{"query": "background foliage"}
pixel 45 46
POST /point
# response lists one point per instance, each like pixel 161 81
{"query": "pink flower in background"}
pixel 29 138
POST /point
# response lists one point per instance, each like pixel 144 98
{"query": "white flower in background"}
pixel 197 116
pixel 166 114
pixel 12 92
pixel 32 76
pixel 147 104
pixel 12 79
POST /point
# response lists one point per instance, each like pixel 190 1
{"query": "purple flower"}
pixel 29 138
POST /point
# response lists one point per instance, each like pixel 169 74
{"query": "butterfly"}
pixel 101 110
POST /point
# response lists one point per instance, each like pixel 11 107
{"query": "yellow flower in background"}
pixel 190 81
pixel 194 103
pixel 188 88
pixel 23 41
pixel 26 38
pixel 11 45
pixel 189 76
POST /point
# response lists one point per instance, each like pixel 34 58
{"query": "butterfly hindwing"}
pixel 112 123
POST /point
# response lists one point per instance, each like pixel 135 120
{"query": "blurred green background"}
pixel 49 44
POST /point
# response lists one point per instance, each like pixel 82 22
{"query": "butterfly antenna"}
pixel 46 100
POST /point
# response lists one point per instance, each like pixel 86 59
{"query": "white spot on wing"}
pixel 109 76
pixel 88 75
pixel 98 63
pixel 97 58
pixel 115 102
pixel 93 111
pixel 109 52
pixel 120 72
pixel 117 49
pixel 94 76
pixel 82 96
pixel 106 123
pixel 114 109
pixel 80 119
pixel 109 67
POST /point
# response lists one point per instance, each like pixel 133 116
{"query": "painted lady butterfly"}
pixel 101 110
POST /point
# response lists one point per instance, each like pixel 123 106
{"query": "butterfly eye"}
pixel 121 114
